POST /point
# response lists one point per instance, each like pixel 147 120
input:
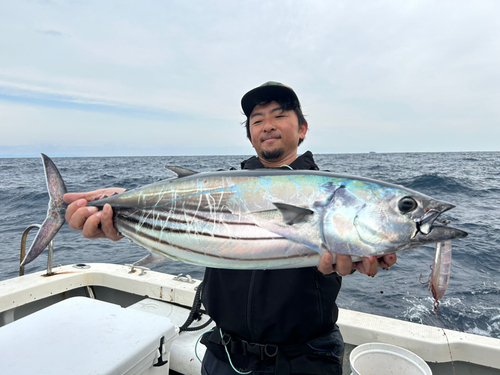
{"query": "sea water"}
pixel 470 180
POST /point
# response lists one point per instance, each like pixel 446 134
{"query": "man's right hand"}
pixel 92 222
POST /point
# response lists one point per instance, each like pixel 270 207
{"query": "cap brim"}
pixel 266 94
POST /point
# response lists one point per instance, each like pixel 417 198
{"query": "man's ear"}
pixel 250 140
pixel 303 130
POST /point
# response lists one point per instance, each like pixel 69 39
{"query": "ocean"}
pixel 470 180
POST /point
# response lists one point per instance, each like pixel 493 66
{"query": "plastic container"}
pixel 385 359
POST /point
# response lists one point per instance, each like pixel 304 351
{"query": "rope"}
pixel 195 313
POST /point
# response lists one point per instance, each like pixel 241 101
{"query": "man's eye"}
pixel 256 122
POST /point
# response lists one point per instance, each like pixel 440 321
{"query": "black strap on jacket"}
pixel 262 352
pixel 235 345
pixel 282 358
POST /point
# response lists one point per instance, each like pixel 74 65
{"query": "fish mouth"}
pixel 426 222
pixel 428 231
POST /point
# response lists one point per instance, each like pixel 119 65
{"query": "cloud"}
pixel 368 74
pixel 82 102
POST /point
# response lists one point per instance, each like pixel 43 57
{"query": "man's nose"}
pixel 269 125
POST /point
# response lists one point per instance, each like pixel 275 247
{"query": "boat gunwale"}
pixel 428 342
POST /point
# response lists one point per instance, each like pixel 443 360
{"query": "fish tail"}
pixel 55 213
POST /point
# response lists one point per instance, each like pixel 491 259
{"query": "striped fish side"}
pixel 208 221
pixel 221 253
pixel 217 240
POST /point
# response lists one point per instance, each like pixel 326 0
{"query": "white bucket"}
pixel 384 359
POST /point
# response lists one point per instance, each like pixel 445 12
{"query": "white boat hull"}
pixel 161 294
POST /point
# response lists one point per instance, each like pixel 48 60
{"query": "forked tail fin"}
pixel 55 212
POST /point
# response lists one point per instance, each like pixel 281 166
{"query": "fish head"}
pixel 383 220
pixel 430 228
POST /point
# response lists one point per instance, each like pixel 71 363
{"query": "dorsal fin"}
pixel 179 171
pixel 292 214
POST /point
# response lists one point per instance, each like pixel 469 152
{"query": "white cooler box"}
pixel 86 336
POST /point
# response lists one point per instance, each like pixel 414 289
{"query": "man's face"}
pixel 275 133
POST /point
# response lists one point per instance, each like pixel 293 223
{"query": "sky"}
pixel 133 78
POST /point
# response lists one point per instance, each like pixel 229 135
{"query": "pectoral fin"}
pixel 304 230
pixel 292 214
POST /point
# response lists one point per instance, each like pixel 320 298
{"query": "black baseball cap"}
pixel 267 92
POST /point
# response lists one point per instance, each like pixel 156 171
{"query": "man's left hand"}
pixel 344 264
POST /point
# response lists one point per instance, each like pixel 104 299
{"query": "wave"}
pixel 456 314
pixel 470 159
pixel 437 183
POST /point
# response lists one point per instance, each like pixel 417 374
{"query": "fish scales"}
pixel 226 237
pixel 264 219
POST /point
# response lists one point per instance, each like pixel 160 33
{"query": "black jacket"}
pixel 283 307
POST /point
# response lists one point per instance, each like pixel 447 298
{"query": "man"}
pixel 273 321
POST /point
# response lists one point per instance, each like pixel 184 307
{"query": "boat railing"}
pixel 23 250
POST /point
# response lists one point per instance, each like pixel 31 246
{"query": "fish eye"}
pixel 407 204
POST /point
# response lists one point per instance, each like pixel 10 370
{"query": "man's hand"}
pixel 92 222
pixel 343 266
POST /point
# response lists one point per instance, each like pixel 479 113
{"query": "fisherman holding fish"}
pixel 268 321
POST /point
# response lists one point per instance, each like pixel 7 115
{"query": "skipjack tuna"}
pixel 262 219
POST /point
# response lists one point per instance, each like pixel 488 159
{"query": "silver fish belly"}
pixel 264 219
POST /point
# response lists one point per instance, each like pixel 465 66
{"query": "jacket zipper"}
pixel 320 302
pixel 249 305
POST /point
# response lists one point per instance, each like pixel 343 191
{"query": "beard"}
pixel 272 154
